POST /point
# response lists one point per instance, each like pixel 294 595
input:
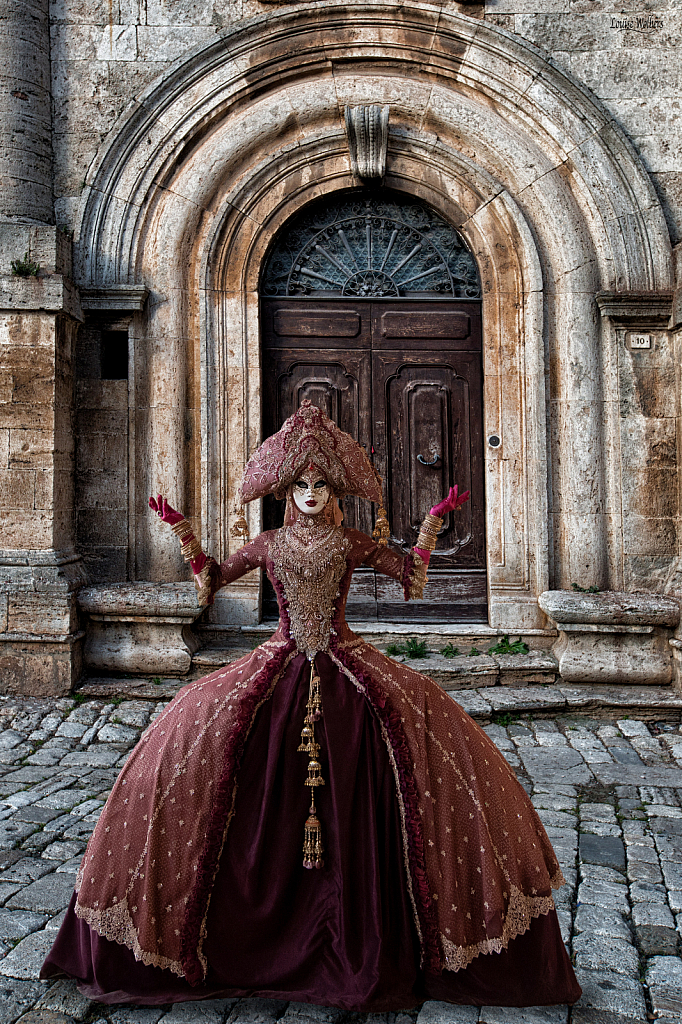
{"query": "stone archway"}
pixel 196 180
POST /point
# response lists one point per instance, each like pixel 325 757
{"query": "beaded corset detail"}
pixel 310 561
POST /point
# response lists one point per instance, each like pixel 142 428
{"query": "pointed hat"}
pixel 309 438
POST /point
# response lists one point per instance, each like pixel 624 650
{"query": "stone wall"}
pixel 104 55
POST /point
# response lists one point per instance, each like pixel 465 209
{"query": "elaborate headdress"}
pixel 309 438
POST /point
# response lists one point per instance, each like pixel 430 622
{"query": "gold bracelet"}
pixel 181 529
pixel 190 548
pixel 428 533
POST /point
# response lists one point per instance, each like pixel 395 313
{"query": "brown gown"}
pixel 438 872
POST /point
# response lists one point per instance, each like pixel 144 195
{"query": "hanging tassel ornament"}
pixel 240 528
pixel 312 842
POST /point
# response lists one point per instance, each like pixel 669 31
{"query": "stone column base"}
pixel 612 637
pixel 41 643
pixel 140 628
pixel 40 666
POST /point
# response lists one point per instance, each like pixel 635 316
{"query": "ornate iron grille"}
pixel 370 245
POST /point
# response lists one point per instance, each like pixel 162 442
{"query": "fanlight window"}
pixel 365 245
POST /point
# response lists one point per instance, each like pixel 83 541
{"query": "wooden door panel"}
pixel 450 596
pixel 423 326
pixel 328 324
pixel 428 409
pixel 322 325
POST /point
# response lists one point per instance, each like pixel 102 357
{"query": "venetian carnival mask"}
pixel 311 492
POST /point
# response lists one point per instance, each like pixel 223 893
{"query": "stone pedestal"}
pixel 140 628
pixel 612 637
pixel 41 643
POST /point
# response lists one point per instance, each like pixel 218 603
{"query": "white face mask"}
pixel 311 493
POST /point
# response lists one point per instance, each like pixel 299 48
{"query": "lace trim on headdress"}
pixel 309 438
pixel 309 558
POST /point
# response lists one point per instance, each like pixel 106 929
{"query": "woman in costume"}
pixel 315 821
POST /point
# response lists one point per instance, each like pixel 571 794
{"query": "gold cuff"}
pixel 190 548
pixel 181 529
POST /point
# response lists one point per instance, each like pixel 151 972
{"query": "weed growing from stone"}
pixel 449 651
pixel 505 719
pixel 412 648
pixel 26 267
pixel 505 646
pixel 585 590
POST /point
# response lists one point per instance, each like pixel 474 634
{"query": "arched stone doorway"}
pixel 370 306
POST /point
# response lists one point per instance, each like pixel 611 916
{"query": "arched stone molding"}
pixel 201 172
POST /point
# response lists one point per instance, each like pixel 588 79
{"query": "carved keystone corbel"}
pixel 367 130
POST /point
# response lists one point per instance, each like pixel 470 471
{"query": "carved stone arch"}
pixel 201 173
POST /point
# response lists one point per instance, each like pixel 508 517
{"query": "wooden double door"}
pixel 405 380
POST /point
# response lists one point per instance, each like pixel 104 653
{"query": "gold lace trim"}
pixel 115 923
pixel 202 581
pixel 521 907
pixel 418 578
pixel 309 557
pixel 520 912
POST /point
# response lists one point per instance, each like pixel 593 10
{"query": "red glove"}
pixel 164 510
pixel 167 514
pixel 449 504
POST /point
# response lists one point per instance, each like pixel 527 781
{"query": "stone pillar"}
pixel 40 639
pixel 25 117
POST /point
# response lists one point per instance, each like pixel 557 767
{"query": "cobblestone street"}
pixel 607 787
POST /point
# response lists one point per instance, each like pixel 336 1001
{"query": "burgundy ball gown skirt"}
pixel 341 936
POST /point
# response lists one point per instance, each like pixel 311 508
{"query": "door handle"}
pixel 434 460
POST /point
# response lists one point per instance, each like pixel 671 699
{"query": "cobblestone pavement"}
pixel 609 791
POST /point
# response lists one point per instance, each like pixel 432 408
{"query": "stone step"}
pixel 436 634
pixel 484 704
pixel 453 673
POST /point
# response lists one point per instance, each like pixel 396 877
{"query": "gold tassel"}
pixel 382 530
pixel 312 841
pixel 240 528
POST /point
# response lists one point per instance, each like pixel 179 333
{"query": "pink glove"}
pixel 167 514
pixel 164 511
pixel 449 504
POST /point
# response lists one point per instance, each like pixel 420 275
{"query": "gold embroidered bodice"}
pixel 309 558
